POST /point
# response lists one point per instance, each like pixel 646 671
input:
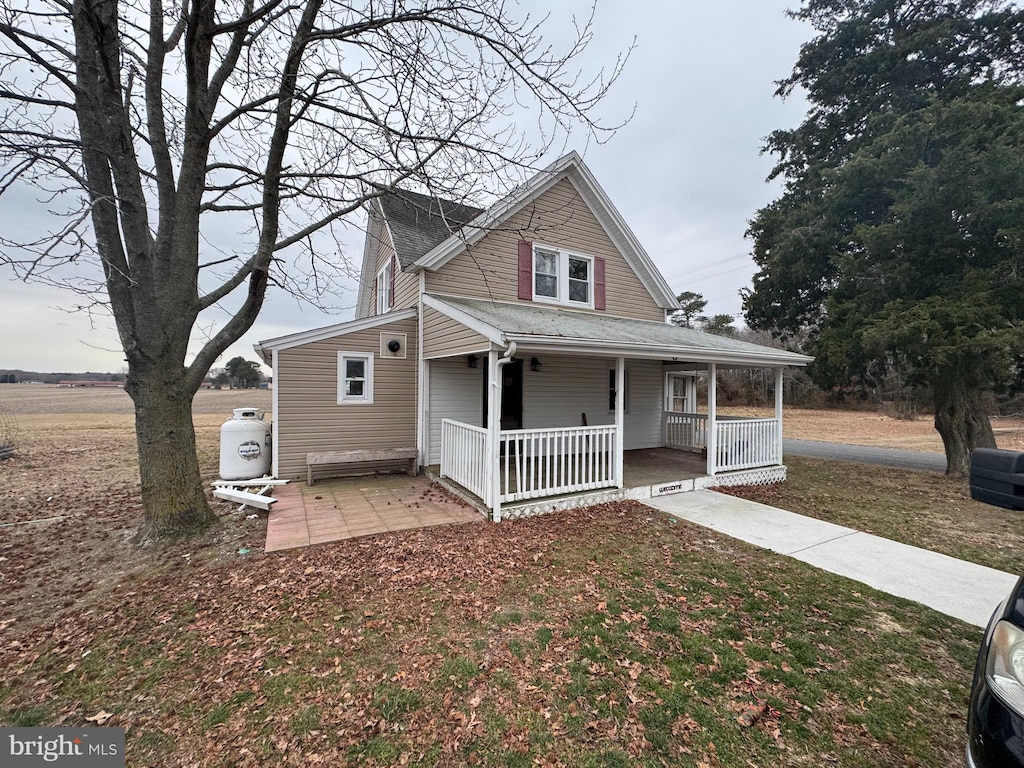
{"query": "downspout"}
pixel 494 432
pixel 510 355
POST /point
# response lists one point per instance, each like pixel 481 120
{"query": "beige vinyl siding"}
pixel 456 392
pixel 557 218
pixel 443 336
pixel 646 403
pixel 563 390
pixel 407 290
pixel 406 285
pixel 567 387
pixel 310 418
pixel 557 395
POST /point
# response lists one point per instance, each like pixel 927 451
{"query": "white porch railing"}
pixel 464 457
pixel 746 443
pixel 741 443
pixel 547 462
pixel 685 430
pixel 533 462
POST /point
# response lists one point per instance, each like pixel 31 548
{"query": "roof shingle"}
pixel 418 222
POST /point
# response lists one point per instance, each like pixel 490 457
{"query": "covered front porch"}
pixel 529 407
pixel 536 470
pixel 647 473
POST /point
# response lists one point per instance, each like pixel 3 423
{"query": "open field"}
pixel 48 398
pixel 855 427
pixel 612 636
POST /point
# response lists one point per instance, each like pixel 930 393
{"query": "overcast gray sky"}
pixel 686 173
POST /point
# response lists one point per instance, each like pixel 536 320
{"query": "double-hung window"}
pixel 384 283
pixel 355 377
pixel 563 277
pixel 677 393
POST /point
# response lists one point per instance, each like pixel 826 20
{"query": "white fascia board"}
pixel 275 426
pixel 617 229
pixel 319 334
pixel 654 351
pixel 265 354
pixel 489 332
pixel 474 231
pixel 362 293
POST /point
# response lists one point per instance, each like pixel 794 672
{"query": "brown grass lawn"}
pixel 611 636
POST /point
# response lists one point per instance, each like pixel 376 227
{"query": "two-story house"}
pixel 524 352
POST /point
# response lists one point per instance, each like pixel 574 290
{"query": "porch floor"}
pixel 652 466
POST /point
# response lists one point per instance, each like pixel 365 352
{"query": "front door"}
pixel 511 395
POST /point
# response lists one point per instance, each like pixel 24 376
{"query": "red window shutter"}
pixel 391 288
pixel 599 290
pixel 526 270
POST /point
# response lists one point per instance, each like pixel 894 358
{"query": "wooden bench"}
pixel 358 457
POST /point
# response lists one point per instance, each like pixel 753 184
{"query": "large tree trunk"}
pixel 172 490
pixel 962 420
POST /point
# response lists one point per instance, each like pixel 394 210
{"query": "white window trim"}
pixel 672 376
pixel 384 289
pixel 563 277
pixel 367 397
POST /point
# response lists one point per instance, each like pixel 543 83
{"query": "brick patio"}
pixel 345 508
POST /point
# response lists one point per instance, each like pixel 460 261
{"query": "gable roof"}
pixel 427 232
pixel 572 168
pixel 564 330
pixel 419 223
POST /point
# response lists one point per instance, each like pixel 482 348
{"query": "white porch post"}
pixel 778 412
pixel 493 470
pixel 620 412
pixel 712 436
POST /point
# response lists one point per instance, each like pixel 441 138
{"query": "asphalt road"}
pixel 887 457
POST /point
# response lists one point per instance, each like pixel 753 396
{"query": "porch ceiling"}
pixel 572 331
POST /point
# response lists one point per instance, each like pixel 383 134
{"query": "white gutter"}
pixel 659 351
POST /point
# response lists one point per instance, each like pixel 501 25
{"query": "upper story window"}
pixel 384 286
pixel 563 277
pixel 559 277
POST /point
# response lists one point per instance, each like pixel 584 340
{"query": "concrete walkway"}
pixel 957 588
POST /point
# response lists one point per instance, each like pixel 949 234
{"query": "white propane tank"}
pixel 245 446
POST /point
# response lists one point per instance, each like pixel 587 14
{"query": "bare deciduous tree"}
pixel 196 150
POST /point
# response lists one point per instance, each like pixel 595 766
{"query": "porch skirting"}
pixel 513 511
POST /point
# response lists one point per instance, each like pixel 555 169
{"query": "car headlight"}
pixel 1005 668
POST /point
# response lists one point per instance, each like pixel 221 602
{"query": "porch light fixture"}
pixel 534 364
pixel 472 361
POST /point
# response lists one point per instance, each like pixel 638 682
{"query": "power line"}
pixel 713 265
pixel 710 277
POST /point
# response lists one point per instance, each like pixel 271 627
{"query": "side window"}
pixel 355 377
pixel 675 396
pixel 384 282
